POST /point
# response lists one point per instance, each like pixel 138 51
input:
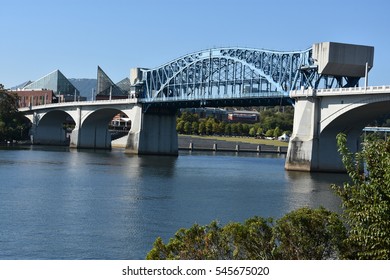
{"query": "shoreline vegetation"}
pixel 360 232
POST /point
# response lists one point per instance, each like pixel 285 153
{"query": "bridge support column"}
pixel 311 147
pixel 153 132
pixel 92 136
pixel 96 137
pixel 303 145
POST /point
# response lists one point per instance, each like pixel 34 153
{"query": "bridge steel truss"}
pixel 228 74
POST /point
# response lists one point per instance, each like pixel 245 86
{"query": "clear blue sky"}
pixel 74 36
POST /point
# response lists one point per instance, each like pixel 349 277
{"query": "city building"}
pixel 225 114
pixel 243 116
pixel 29 98
pixel 53 87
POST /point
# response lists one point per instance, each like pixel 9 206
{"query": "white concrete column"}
pixel 153 132
pixel 75 135
pixel 303 145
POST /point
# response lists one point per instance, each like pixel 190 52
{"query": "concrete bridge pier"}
pixel 153 132
pixel 93 132
pixel 303 146
pixel 313 144
pixel 95 137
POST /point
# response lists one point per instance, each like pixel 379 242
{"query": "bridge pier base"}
pixel 97 137
pixel 301 153
pixel 311 149
pixel 153 132
pixel 92 136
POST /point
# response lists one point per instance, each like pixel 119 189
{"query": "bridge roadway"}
pixel 63 105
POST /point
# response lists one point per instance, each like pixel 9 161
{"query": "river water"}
pixel 57 203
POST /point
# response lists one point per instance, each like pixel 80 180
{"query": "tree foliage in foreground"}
pixel 13 125
pixel 302 234
pixel 310 234
pixel 366 199
pixel 306 233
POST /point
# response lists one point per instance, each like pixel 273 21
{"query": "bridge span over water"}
pixel 323 81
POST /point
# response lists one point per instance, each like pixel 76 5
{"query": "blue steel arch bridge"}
pixel 323 81
pixel 233 77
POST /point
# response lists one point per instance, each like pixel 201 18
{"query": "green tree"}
pixel 269 133
pixel 235 241
pixel 366 199
pixel 188 117
pixel 311 234
pixel 13 125
pixel 180 126
pixel 187 127
pixel 209 126
pixel 222 128
pixel 234 128
pixel 252 240
pixel 216 128
pixel 281 117
pixel 277 132
pixel 239 129
pixel 202 128
pixel 252 132
pixel 302 234
pixel 245 129
pixel 228 129
pixel 195 127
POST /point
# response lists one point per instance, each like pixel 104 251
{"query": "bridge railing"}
pixel 340 91
pixel 242 95
pixel 79 103
pixel 273 94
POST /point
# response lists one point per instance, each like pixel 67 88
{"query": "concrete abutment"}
pixel 153 132
pixel 319 116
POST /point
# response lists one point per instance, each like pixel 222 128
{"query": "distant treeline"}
pixel 273 123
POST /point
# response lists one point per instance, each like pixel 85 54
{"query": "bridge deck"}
pixel 340 91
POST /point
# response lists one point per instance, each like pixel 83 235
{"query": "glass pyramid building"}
pixel 124 85
pixel 106 87
pixel 55 81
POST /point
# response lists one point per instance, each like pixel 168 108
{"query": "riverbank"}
pixel 231 144
pixel 208 143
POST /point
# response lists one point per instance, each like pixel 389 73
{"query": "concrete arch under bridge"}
pixel 49 128
pixel 92 130
pixel 63 126
pixel 321 114
pixel 151 132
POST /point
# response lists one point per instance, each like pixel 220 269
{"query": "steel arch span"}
pixel 227 74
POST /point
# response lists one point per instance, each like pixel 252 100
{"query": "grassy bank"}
pixel 249 140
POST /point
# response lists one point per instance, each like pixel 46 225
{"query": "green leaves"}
pixel 301 234
pixel 13 125
pixel 272 120
pixel 366 199
pixel 251 240
pixel 313 234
